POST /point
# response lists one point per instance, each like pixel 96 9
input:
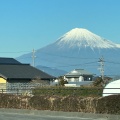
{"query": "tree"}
pixel 98 82
pixel 62 81
pixel 38 80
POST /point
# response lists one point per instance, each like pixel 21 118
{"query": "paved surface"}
pixel 16 114
pixel 13 116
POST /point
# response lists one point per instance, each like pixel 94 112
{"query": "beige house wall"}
pixel 2 80
pixel 2 84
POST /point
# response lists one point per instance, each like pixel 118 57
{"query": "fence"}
pixel 24 85
pixel 27 92
pixel 62 91
pixel 59 91
pixel 19 88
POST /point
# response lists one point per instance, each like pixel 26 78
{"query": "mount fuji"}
pixel 84 38
pixel 78 48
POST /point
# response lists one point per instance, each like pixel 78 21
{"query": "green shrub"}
pixel 68 91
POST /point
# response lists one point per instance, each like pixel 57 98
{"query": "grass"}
pixel 68 91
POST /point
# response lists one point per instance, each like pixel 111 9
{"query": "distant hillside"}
pixel 78 48
pixel 51 71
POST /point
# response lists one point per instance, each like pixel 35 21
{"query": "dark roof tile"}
pixel 8 61
pixel 22 71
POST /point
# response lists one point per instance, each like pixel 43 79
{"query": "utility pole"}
pixel 33 58
pixel 101 68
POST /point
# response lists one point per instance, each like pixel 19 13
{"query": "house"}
pixel 4 60
pixel 78 77
pixel 13 72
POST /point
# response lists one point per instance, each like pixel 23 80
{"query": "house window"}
pixel 87 79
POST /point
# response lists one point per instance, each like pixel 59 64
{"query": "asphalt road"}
pixel 25 114
pixel 15 116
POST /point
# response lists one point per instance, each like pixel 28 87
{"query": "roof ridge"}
pixel 13 64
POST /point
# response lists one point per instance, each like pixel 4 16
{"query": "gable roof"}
pixel 78 72
pixel 4 60
pixel 22 71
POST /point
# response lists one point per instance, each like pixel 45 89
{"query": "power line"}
pixel 78 64
pixel 68 56
pixel 112 62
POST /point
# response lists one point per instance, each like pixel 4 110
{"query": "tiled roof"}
pixel 8 61
pixel 78 72
pixel 22 71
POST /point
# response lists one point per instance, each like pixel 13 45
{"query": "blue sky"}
pixel 28 24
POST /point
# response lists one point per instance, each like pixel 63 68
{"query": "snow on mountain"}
pixel 78 48
pixel 80 37
pixel 118 45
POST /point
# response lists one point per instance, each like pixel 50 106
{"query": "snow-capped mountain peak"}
pixel 78 48
pixel 80 37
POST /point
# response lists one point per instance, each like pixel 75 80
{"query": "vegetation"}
pixel 68 91
pixel 94 89
pixel 98 82
pixel 103 105
pixel 38 80
pixel 62 81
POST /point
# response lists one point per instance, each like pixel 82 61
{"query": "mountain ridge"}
pixel 67 56
pixel 80 37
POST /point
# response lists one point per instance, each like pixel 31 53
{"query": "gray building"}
pixel 13 73
pixel 79 77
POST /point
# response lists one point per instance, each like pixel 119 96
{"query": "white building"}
pixel 78 77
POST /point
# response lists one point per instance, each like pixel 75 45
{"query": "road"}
pixel 15 116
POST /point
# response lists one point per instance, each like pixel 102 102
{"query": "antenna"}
pixel 101 61
pixel 33 58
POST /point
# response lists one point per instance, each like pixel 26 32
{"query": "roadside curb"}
pixel 60 113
